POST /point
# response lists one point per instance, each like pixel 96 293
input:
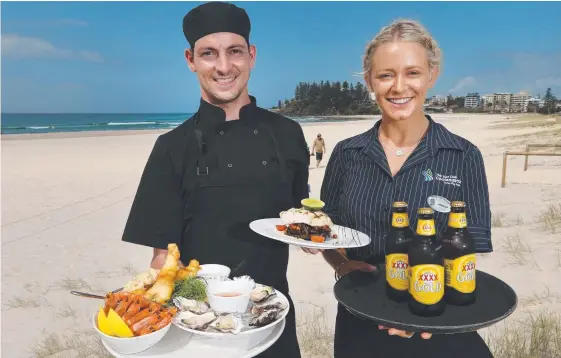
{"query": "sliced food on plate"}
pixel 306 224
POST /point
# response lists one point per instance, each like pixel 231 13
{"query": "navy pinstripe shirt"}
pixel 358 188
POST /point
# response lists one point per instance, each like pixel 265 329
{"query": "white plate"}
pixel 254 331
pixel 180 344
pixel 346 237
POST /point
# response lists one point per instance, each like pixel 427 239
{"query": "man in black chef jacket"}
pixel 229 164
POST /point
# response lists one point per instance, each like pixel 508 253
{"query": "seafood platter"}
pixel 309 227
pixel 198 304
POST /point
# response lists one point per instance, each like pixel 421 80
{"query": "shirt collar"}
pixel 209 116
pixel 437 137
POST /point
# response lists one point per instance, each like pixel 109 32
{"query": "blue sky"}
pixel 117 57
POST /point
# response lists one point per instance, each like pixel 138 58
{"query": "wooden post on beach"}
pixel 507 153
pixel 526 159
pixel 528 146
pixel 503 180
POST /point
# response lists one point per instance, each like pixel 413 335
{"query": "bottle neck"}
pixel 457 220
pixel 400 220
pixel 426 227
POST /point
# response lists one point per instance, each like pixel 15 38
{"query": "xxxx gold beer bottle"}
pixel 426 283
pixel 458 251
pixel 396 247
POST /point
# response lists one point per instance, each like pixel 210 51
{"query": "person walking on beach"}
pixel 319 148
pixel 231 163
pixel 407 157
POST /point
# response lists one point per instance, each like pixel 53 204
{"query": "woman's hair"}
pixel 404 30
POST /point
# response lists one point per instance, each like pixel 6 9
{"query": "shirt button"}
pixel 386 207
pixel 256 131
pixel 229 165
pixel 221 132
pixel 264 162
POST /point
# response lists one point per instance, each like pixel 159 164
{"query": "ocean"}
pixel 67 122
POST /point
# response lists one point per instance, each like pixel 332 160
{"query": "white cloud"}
pixel 464 83
pixel 16 46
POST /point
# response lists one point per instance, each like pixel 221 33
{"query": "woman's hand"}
pixel 404 334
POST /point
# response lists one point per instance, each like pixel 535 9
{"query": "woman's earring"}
pixel 372 96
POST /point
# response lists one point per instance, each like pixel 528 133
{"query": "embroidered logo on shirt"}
pixel 427 173
pixel 448 179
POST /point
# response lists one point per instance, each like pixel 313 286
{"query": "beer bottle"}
pixel 458 251
pixel 396 248
pixel 426 283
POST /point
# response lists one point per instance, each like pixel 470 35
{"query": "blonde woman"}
pixel 408 157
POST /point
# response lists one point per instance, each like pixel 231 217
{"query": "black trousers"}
pixel 359 338
pixel 287 345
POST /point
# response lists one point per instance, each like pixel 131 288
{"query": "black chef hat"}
pixel 213 17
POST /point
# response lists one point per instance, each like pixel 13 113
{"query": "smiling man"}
pixel 230 164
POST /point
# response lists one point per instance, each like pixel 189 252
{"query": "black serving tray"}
pixel 364 294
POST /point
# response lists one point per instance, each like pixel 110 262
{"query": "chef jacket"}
pixel 207 179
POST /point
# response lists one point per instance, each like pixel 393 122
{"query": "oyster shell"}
pixel 261 293
pixel 264 318
pixel 277 305
pixel 227 324
pixel 194 306
pixel 195 321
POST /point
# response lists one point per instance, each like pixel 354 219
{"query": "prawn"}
pixel 152 308
pixel 138 304
pixel 145 322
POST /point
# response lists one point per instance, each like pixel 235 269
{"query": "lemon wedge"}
pixel 103 323
pixel 312 204
pixel 118 326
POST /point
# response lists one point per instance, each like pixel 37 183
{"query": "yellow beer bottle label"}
pixel 400 220
pixel 397 271
pixel 427 283
pixel 460 273
pixel 426 227
pixel 457 220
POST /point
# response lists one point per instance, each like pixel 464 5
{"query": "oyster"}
pixel 258 309
pixel 261 293
pixel 195 321
pixel 227 324
pixel 194 306
pixel 264 318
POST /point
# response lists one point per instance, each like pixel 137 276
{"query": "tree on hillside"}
pixel 549 101
pixel 449 100
pixel 329 98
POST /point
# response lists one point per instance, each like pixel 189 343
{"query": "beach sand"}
pixel 65 199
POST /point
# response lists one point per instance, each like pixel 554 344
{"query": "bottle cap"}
pixel 400 204
pixel 458 204
pixel 425 211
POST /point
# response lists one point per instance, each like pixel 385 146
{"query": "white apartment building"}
pixel 472 100
pixel 487 100
pixel 507 102
pixel 519 102
pixel 437 100
pixel 537 101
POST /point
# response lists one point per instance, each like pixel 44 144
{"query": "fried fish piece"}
pixel 162 289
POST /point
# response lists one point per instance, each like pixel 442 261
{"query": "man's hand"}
pixel 311 251
pixel 352 265
pixel 159 259
pixel 404 334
